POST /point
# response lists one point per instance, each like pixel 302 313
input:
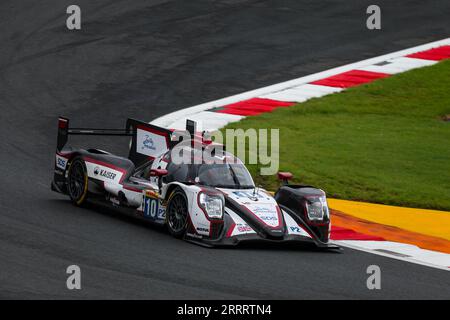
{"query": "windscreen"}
pixel 224 175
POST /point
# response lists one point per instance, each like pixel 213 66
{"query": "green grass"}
pixel 383 142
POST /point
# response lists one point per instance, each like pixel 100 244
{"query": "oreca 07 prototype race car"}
pixel 209 203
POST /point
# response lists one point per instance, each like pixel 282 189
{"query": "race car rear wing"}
pixel 147 140
pixel 64 131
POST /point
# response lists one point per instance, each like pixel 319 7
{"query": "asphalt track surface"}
pixel 144 59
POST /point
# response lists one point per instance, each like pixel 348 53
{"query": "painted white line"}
pixel 318 90
pixel 288 95
pixel 169 119
pixel 399 65
pixel 302 93
pixel 400 251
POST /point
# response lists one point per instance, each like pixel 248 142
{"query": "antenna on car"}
pixel 256 189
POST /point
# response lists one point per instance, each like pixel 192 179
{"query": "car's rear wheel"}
pixel 177 213
pixel 77 181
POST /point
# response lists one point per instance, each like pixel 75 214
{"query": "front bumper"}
pixel 257 239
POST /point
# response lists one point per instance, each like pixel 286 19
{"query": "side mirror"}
pixel 158 172
pixel 285 176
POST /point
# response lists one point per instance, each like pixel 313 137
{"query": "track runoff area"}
pixel 361 226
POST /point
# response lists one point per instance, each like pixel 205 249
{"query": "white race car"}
pixel 201 201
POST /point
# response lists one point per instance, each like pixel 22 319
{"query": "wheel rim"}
pixel 76 180
pixel 177 216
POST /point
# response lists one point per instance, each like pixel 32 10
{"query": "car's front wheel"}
pixel 177 213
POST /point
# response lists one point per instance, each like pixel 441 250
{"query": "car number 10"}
pixel 153 209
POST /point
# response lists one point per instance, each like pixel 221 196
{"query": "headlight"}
pixel 317 209
pixel 212 205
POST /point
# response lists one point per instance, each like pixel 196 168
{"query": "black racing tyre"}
pixel 77 181
pixel 177 213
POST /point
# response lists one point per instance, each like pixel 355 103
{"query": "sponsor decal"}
pixel 261 210
pixel 150 143
pixel 266 213
pixel 104 173
pixel 268 218
pixel 61 162
pixel 243 228
pixel 202 229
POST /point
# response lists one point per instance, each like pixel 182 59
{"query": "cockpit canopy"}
pixel 225 171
